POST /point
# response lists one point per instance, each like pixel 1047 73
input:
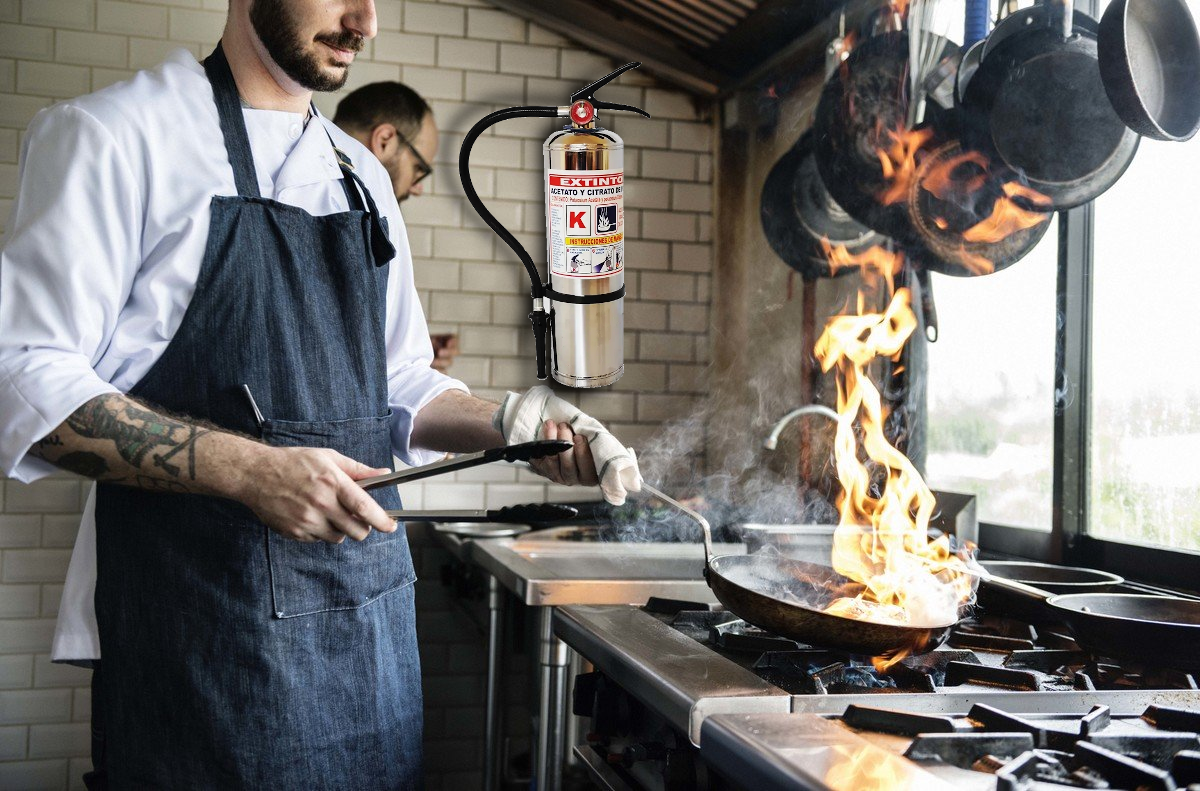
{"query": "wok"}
pixel 747 585
pixel 1158 630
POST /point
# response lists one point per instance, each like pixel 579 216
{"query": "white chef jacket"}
pixel 105 245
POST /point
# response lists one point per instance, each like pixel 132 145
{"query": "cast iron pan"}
pixel 864 102
pixel 1033 106
pixel 797 212
pixel 1158 630
pixel 953 195
pixel 756 588
pixel 1150 64
pixel 1051 578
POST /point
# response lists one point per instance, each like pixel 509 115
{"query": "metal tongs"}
pixel 536 512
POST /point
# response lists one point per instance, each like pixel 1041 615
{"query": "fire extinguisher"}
pixel 581 306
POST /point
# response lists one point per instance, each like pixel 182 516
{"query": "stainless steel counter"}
pixel 668 671
pixel 554 573
pixel 779 751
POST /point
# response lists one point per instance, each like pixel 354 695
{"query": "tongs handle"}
pixel 533 512
pixel 522 452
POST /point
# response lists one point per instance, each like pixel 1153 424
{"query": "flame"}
pixel 863 768
pixel 900 7
pixel 899 163
pixel 1007 217
pixel 947 180
pixel 882 541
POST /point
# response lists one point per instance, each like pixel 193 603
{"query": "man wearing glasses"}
pixel 396 125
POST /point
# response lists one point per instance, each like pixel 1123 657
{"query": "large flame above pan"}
pixel 882 537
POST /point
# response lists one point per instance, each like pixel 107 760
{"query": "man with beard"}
pixel 206 304
pixel 395 124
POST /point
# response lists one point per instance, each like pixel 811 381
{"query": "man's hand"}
pixel 572 467
pixel 310 494
pixel 445 349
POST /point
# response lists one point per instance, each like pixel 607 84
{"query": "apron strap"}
pixel 233 126
pixel 382 249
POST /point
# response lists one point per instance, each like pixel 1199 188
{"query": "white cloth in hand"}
pixel 520 419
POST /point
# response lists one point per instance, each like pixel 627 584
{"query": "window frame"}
pixel 1069 541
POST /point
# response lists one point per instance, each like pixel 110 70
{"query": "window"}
pixel 1145 393
pixel 991 388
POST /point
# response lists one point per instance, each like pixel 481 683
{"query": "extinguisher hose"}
pixel 464 172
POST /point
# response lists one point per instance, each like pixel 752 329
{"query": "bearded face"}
pixel 318 60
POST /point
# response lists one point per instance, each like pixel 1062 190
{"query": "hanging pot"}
pixel 798 212
pixel 972 217
pixel 862 107
pixel 1033 105
pixel 1150 65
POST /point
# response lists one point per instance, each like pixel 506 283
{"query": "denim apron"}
pixel 235 658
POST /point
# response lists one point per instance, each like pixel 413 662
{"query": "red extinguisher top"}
pixel 582 112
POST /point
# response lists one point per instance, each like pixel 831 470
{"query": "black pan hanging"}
pixel 1036 105
pixel 798 213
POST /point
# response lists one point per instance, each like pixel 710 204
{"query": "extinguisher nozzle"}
pixel 541 321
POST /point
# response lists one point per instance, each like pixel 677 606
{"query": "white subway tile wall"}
pixel 468 59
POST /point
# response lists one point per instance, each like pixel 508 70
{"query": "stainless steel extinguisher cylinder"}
pixel 585 240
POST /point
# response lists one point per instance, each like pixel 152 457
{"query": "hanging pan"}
pixel 1150 65
pixel 1035 105
pixel 798 213
pixel 973 217
pixel 863 107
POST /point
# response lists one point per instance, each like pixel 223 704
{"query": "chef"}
pixel 396 125
pixel 206 304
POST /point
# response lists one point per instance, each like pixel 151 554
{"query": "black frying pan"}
pixel 1158 630
pixel 1150 64
pixel 798 212
pixel 785 596
pixel 862 106
pixel 1034 104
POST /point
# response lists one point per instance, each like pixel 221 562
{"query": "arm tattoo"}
pixel 137 432
pixel 152 450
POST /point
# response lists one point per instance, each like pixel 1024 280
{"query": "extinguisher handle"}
pixel 602 105
pixel 588 93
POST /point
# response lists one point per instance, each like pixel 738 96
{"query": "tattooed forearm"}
pixel 138 432
pixel 114 438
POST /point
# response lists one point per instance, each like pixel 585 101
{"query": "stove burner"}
pixel 959 673
pixel 902 723
pixel 663 606
pixel 966 750
pixel 737 635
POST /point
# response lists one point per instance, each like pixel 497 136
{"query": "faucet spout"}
pixel 812 409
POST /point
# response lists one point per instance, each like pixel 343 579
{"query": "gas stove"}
pixel 690 696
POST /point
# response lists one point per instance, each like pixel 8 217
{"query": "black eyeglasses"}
pixel 423 167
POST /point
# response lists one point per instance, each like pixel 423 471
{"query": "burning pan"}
pixel 1158 630
pixel 748 586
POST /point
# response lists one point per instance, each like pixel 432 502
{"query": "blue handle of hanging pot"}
pixel 976 28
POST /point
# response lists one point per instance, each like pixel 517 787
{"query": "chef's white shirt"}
pixel 105 244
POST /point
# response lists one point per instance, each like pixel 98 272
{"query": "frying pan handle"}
pixel 1066 22
pixel 1027 592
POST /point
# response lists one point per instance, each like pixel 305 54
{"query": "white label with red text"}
pixel 586 218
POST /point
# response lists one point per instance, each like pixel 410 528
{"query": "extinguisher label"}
pixel 586 222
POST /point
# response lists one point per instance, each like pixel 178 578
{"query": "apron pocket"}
pixel 317 577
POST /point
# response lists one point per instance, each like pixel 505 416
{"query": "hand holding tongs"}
pixel 537 512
